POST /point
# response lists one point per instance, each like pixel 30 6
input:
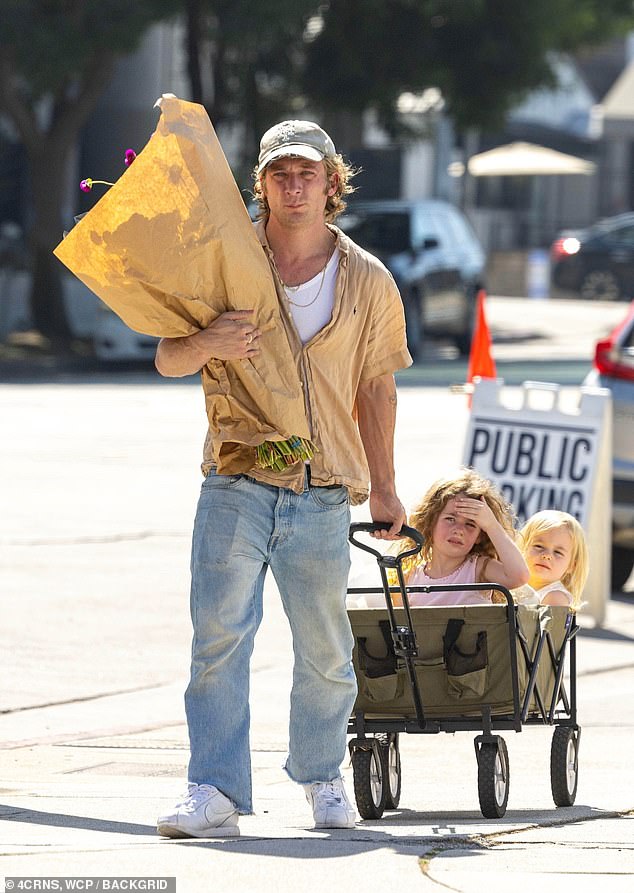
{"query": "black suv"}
pixel 597 262
pixel 435 258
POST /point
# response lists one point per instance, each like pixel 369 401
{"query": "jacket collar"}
pixel 342 241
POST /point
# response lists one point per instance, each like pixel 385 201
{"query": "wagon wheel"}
pixel 370 787
pixel 564 765
pixel 391 756
pixel 493 779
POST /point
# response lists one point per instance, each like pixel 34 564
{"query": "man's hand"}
pixel 387 507
pixel 231 336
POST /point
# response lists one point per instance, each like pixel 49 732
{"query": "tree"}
pixel 255 52
pixel 56 57
pixel 484 55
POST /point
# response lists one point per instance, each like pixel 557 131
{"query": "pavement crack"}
pixel 82 699
pixel 494 838
pixel 498 838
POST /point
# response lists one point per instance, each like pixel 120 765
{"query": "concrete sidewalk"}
pixel 94 646
pixel 82 783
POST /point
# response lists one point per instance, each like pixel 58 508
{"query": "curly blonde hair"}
pixel 577 573
pixel 466 482
pixel 335 204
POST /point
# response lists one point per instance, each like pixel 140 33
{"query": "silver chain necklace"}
pixel 294 288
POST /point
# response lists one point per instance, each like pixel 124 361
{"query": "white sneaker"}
pixel 204 812
pixel 331 807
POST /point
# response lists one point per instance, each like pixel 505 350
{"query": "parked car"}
pixel 115 342
pixel 614 369
pixel 435 258
pixel 597 262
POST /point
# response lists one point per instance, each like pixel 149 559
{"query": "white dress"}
pixel 526 595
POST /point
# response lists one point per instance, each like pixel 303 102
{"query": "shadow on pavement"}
pixel 369 837
pixel 607 635
pixel 63 820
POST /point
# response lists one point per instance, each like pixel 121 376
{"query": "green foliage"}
pixel 484 55
pixel 49 43
pixel 256 51
pixel 61 51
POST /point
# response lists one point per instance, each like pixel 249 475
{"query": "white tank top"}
pixel 311 303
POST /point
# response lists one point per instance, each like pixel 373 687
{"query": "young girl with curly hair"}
pixel 468 531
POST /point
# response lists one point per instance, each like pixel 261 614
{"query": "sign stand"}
pixel 543 456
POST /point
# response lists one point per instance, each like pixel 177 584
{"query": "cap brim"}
pixel 298 149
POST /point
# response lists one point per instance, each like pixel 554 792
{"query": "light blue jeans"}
pixel 242 527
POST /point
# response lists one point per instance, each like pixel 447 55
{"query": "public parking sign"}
pixel 544 457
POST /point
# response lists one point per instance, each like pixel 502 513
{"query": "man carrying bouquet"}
pixel 342 315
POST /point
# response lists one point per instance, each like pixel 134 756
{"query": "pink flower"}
pixel 130 155
pixel 87 184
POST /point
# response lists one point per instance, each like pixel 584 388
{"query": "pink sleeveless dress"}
pixel 463 574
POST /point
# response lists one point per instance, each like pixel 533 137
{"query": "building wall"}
pixel 125 116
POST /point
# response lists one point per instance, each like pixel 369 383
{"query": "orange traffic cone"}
pixel 481 361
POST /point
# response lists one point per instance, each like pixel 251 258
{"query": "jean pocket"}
pixel 329 497
pixel 220 481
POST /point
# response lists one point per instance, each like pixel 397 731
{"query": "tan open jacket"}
pixel 365 338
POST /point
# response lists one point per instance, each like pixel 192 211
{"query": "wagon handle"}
pixel 371 527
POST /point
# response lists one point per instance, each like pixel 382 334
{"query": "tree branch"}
pixel 73 113
pixel 20 113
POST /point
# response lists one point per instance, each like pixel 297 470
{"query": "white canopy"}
pixel 525 159
pixel 618 102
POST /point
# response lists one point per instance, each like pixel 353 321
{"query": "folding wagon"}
pixel 426 670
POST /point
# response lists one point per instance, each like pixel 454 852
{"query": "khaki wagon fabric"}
pixel 443 695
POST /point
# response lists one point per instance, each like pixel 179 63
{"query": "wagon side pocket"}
pixel 466 671
pixel 380 680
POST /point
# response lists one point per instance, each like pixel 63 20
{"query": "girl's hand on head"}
pixel 477 510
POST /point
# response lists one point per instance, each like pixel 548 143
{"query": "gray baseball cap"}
pixel 303 138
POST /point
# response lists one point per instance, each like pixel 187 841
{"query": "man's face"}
pixel 297 190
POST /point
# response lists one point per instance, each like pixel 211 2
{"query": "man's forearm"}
pixel 231 336
pixel 177 357
pixel 376 405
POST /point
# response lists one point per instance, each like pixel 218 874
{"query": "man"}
pixel 343 317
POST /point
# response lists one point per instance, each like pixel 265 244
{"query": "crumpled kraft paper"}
pixel 168 248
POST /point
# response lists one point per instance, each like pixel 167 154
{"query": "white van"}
pixel 89 317
pixel 114 341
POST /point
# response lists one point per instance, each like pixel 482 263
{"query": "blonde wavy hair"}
pixel 424 516
pixel 335 204
pixel 575 577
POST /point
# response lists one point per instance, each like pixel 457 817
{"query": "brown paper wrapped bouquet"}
pixel 170 247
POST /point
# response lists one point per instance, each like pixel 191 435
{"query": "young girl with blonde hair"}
pixel 468 531
pixel 554 547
